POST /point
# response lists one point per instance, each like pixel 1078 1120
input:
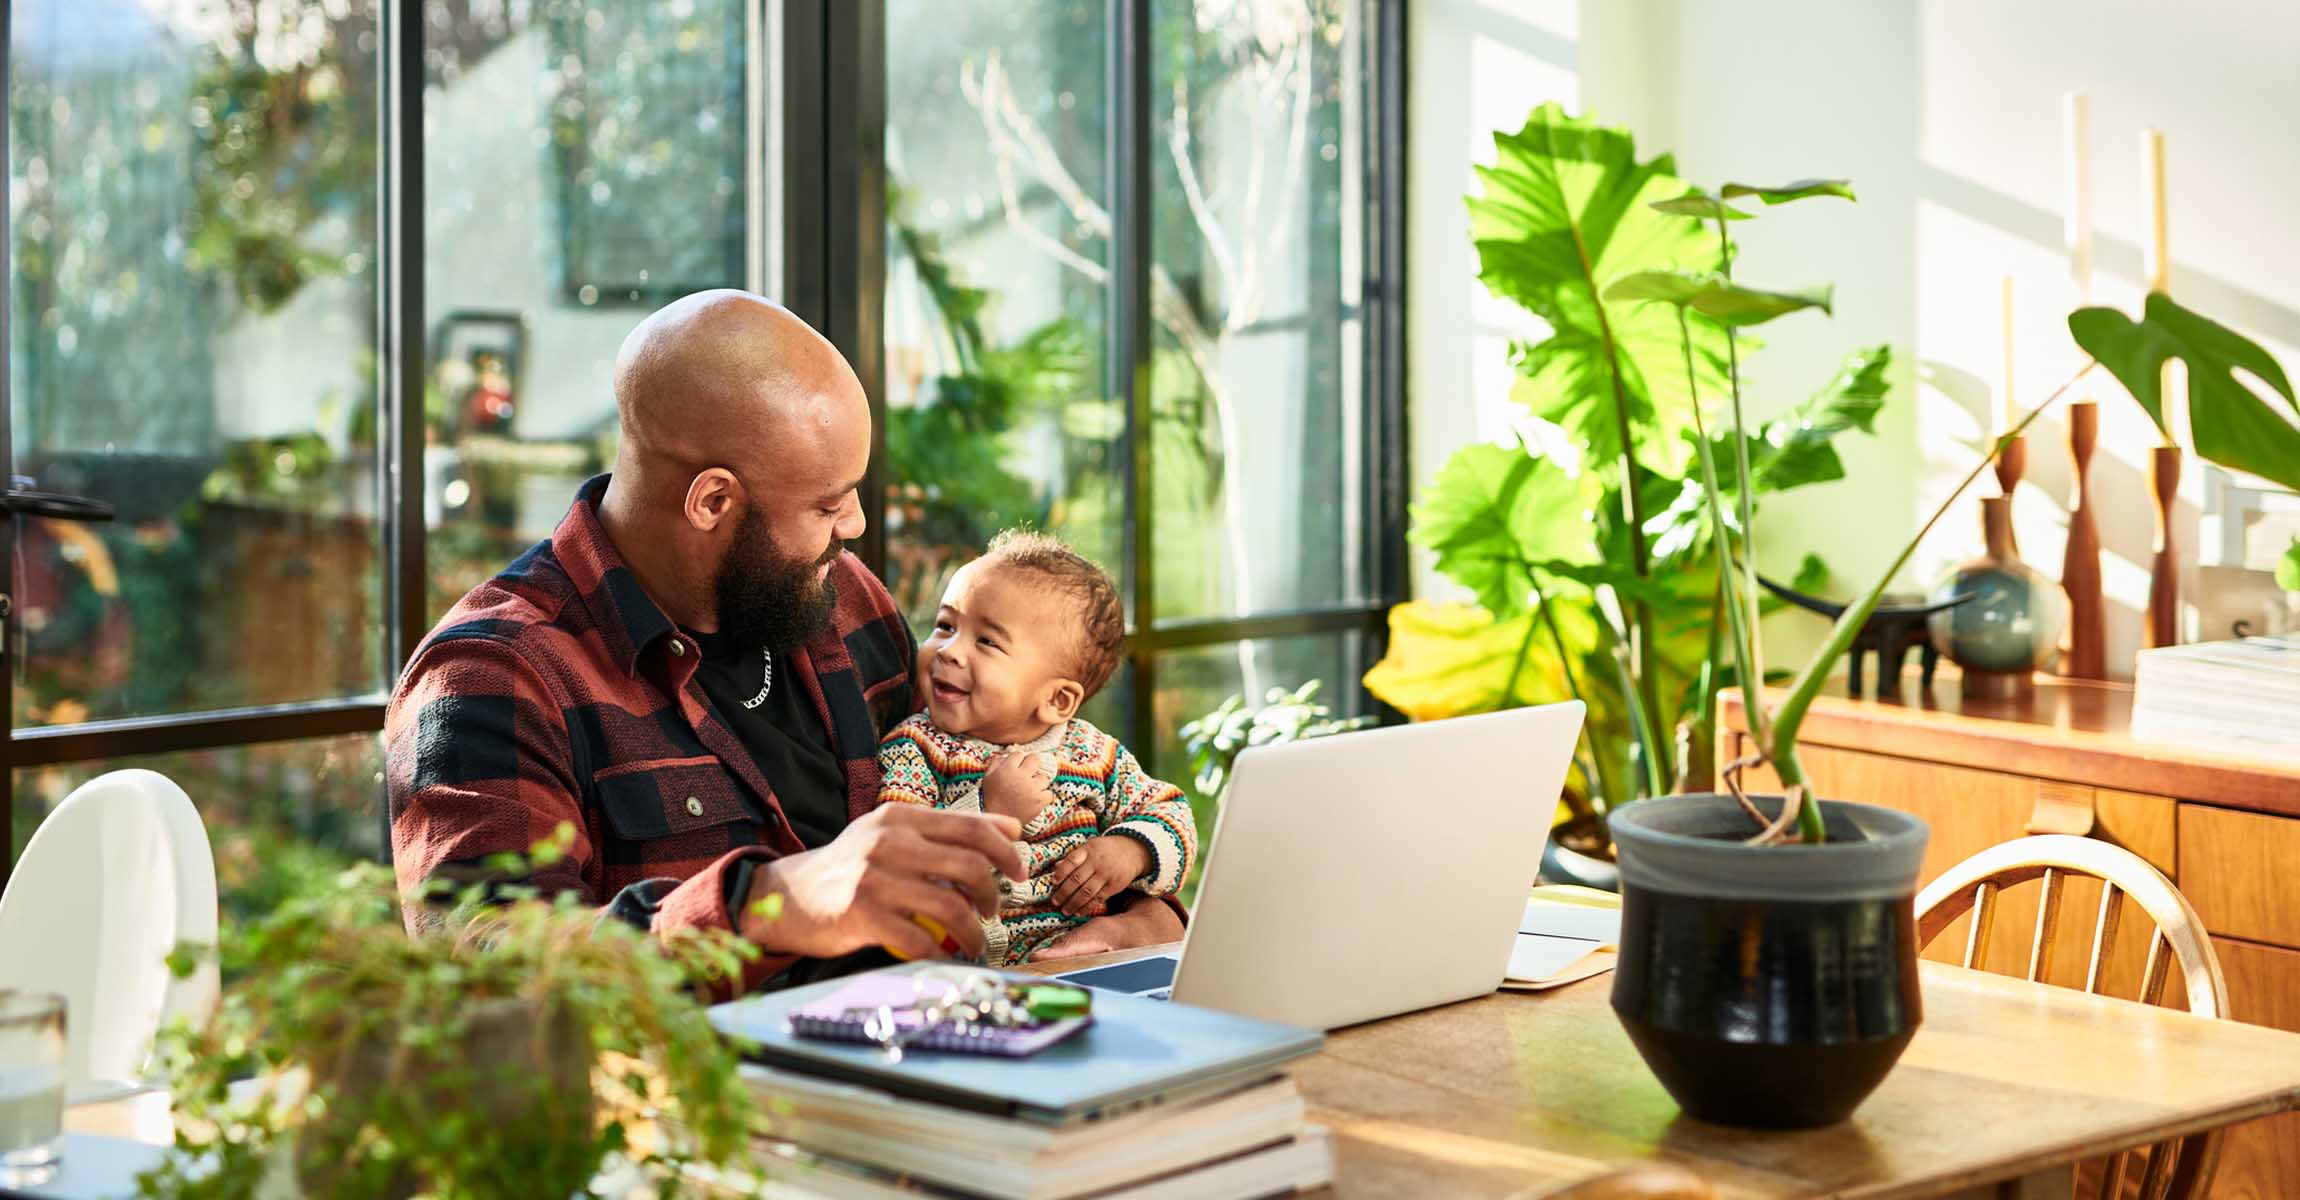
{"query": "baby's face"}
pixel 994 662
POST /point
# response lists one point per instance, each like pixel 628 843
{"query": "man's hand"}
pixel 1149 921
pixel 892 862
pixel 1096 871
pixel 1018 785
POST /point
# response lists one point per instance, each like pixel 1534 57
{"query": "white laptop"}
pixel 1367 874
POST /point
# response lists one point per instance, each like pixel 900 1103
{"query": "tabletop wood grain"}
pixel 1517 1094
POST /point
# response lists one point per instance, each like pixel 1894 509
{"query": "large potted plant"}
pixel 515 1048
pixel 1585 546
pixel 1768 955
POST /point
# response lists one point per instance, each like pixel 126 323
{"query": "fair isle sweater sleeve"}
pixel 1157 815
pixel 906 764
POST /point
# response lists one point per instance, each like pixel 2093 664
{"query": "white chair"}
pixel 114 878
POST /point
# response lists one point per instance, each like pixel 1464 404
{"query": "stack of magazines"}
pixel 1144 1098
pixel 2240 697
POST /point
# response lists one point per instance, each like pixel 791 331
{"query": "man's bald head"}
pixel 728 378
pixel 745 439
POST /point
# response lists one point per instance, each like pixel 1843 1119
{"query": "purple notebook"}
pixel 841 1016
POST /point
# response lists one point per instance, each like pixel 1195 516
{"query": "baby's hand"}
pixel 1018 786
pixel 1096 871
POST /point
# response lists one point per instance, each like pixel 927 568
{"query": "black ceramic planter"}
pixel 1766 986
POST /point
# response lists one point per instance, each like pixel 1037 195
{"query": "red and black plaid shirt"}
pixel 558 692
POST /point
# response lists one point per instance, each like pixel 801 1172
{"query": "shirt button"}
pixel 694 807
pixel 678 647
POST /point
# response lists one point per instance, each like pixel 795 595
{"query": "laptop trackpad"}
pixel 1142 975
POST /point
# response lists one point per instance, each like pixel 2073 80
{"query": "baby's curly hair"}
pixel 1100 637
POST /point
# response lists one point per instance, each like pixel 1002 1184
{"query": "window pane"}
pixel 192 319
pixel 283 817
pixel 1256 386
pixel 585 162
pixel 997 231
pixel 1193 682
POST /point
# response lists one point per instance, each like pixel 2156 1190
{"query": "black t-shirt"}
pixel 783 731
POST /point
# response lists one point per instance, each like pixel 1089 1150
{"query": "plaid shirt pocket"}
pixel 676 812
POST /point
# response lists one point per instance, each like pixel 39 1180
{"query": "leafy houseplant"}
pixel 505 1051
pixel 1596 579
pixel 1770 979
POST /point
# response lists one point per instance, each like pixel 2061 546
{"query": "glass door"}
pixel 315 303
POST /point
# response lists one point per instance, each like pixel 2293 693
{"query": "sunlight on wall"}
pixel 1477 66
pixel 1946 115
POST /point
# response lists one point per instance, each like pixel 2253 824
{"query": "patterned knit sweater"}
pixel 1098 787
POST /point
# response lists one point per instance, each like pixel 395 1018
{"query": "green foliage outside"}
pixel 1596 576
pixel 2288 568
pixel 505 1050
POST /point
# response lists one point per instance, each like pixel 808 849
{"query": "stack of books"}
pixel 2240 697
pixel 1150 1099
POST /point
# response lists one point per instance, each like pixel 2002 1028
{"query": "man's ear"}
pixel 1061 702
pixel 713 498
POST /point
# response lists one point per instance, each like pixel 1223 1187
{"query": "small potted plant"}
pixel 517 1047
pixel 1215 740
pixel 1768 954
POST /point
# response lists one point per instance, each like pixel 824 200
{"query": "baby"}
pixel 1026 634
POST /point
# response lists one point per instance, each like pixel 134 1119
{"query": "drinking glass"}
pixel 31 1086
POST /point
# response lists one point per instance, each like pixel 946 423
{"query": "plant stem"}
pixel 1646 695
pixel 1744 487
pixel 1746 672
pixel 1598 775
pixel 1808 683
pixel 1638 728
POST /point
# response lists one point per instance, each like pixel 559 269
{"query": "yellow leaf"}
pixel 1446 660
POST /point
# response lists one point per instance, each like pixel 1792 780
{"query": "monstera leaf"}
pixel 2232 423
pixel 1495 513
pixel 1565 206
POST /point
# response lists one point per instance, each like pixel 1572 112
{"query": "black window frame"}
pixel 832 81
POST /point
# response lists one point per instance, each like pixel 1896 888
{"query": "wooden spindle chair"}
pixel 2175 1170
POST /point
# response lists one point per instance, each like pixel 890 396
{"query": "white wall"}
pixel 1946 115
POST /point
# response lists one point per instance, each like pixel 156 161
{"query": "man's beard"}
pixel 770 599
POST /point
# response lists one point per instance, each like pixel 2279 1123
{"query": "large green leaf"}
pixel 1494 513
pixel 1784 193
pixel 1564 206
pixel 2231 424
pixel 1714 296
pixel 1694 202
pixel 1792 450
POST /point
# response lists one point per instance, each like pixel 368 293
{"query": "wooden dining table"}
pixel 1518 1094
pixel 2006 1085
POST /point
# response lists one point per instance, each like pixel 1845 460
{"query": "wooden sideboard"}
pixel 1982 772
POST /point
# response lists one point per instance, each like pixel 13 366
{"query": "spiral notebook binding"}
pixel 958 1037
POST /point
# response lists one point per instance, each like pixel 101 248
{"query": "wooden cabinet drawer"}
pixel 2238 869
pixel 2260 1160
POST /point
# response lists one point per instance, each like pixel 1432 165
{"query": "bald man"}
pixel 694 674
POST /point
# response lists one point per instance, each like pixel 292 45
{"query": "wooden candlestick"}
pixel 2164 577
pixel 2012 463
pixel 2087 656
